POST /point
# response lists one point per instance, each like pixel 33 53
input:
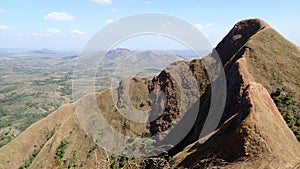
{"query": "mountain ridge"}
pixel 249 131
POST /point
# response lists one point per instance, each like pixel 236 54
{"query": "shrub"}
pixel 285 104
pixel 118 162
pixel 50 134
pixel 142 104
pixel 60 150
pixel 28 161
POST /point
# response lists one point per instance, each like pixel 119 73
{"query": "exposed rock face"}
pixel 251 133
pixel 237 37
pixel 252 128
pixel 182 82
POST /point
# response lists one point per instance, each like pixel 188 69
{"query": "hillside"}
pixel 252 132
pixel 62 127
pixel 27 79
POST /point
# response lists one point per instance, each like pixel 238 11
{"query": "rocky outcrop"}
pixel 182 83
pixel 237 37
pixel 252 129
pixel 251 133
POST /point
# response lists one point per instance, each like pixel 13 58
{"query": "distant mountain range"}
pixel 255 130
pixel 15 52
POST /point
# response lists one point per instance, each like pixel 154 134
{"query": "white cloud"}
pixel 35 34
pixel 76 32
pixel 148 2
pixel 3 27
pixel 109 21
pixel 114 10
pixel 199 26
pixel 59 16
pixel 2 11
pixel 167 24
pixel 102 2
pixel 52 31
pixel 203 26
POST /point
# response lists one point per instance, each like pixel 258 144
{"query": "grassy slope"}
pixel 80 151
pixel 14 153
pixel 273 61
pixel 262 139
pixel 261 62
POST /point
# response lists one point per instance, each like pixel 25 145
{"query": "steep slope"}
pixel 23 146
pixel 256 136
pixel 253 139
pixel 40 146
pixel 252 132
pixel 171 82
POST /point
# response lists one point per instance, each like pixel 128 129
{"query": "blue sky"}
pixel 69 24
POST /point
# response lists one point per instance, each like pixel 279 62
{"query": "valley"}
pixel 259 125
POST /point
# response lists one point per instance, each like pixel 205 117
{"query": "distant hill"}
pixel 43 51
pixel 27 79
pixel 252 133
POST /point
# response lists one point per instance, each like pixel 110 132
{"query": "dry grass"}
pixel 274 61
pixel 262 139
pixel 254 141
pixel 255 136
pixel 66 125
